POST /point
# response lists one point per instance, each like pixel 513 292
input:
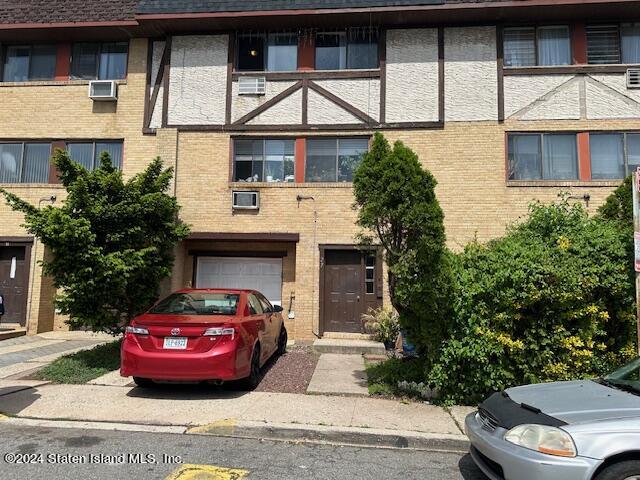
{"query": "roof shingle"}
pixel 65 11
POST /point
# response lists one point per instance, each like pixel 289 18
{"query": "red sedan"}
pixel 204 335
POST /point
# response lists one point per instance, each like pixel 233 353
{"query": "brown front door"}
pixel 343 283
pixel 14 278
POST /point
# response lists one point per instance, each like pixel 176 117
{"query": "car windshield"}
pixel 625 378
pixel 198 303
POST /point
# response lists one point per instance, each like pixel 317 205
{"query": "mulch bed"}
pixel 290 373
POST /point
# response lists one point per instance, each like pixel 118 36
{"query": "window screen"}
pixel 603 44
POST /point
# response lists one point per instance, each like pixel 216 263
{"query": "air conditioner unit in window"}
pixel 252 85
pixel 633 78
pixel 103 90
pixel 246 200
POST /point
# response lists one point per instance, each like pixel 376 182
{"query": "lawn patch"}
pixel 80 367
pixel 397 377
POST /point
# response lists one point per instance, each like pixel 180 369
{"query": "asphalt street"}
pixel 63 453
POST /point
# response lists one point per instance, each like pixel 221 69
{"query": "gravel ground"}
pixel 290 373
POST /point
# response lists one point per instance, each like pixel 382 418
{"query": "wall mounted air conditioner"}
pixel 246 200
pixel 633 78
pixel 252 85
pixel 103 90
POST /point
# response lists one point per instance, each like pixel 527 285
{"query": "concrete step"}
pixel 337 345
pixel 347 336
pixel 8 331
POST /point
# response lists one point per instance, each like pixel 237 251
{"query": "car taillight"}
pixel 138 330
pixel 220 332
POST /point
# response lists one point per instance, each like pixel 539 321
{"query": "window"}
pixel 264 160
pixel 352 49
pixel 88 154
pixel 614 155
pixel 255 308
pixel 273 52
pixel 198 303
pixel 630 38
pixel 334 159
pixel 102 61
pixel 613 43
pixel 530 46
pixel 370 274
pixel 29 62
pixel 24 162
pixel 542 157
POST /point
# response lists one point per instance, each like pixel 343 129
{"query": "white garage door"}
pixel 262 274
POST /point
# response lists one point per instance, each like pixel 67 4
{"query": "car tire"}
pixel 143 382
pixel 282 341
pixel 251 382
pixel 620 471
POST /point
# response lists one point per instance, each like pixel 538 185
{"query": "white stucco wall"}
pixel 286 112
pixel 197 86
pixel 156 115
pixel 243 104
pixel 608 97
pixel 520 91
pixel 471 75
pixel 322 111
pixel 412 75
pixel 362 93
pixel 560 103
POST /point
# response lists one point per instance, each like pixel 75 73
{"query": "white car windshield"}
pixel 198 303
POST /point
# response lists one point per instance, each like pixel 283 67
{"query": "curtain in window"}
pixel 279 160
pixel 524 157
pixel 282 52
pixel 84 60
pixel 321 160
pixel 362 48
pixel 114 149
pixel 10 154
pixel 113 61
pixel 519 47
pixel 554 46
pixel 350 151
pixel 248 162
pixel 16 65
pixel 43 62
pixel 331 51
pixel 607 156
pixel 633 152
pixel 37 157
pixel 82 153
pixel 603 44
pixel 630 34
pixel 560 160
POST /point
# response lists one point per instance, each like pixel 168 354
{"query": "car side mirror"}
pixel 277 308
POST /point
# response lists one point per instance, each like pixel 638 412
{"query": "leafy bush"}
pixel 552 300
pixel 383 324
pixel 396 376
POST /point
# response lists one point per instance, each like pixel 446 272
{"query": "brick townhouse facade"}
pixel 264 109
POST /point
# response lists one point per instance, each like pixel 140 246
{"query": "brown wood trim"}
pixel 231 54
pixel 569 69
pixel 356 112
pixel 579 43
pixel 347 246
pixel 147 85
pixel 309 128
pixel 500 62
pixel 246 237
pixel 441 74
pixel 584 157
pixel 305 101
pixel 311 75
pixel 382 60
pixel 53 171
pixel 7 241
pixel 269 103
pixel 63 61
pixel 239 253
pixel 306 52
pixel 165 81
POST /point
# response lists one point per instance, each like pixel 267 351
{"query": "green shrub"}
pixel 383 324
pixel 392 377
pixel 552 300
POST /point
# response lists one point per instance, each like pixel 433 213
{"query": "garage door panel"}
pixel 262 274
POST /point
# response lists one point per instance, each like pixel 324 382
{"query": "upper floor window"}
pixel 273 52
pixel 614 155
pixel 350 49
pixel 88 154
pixel 24 162
pixel 613 43
pixel 29 62
pixel 531 46
pixel 542 156
pixel 334 159
pixel 264 160
pixel 102 61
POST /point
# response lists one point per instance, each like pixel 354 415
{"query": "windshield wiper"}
pixel 619 386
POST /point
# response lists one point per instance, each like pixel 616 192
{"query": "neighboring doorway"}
pixel 14 281
pixel 350 284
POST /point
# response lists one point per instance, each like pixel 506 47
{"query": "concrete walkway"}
pixel 339 374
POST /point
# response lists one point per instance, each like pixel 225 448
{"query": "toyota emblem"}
pixel 175 331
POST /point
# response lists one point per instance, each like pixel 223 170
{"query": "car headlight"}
pixel 542 438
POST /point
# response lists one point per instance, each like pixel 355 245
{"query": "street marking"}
pixel 206 472
pixel 226 426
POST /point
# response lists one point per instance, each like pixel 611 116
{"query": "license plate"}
pixel 175 343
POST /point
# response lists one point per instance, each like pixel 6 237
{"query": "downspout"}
pixel 314 325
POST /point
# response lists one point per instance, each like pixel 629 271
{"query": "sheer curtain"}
pixel 10 162
pixel 519 47
pixel 524 157
pixel 114 149
pixel 607 156
pixel 554 46
pixel 282 52
pixel 560 161
pixel 82 153
pixel 37 157
pixel 630 33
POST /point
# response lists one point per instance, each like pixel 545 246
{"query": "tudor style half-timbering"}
pixel 266 108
